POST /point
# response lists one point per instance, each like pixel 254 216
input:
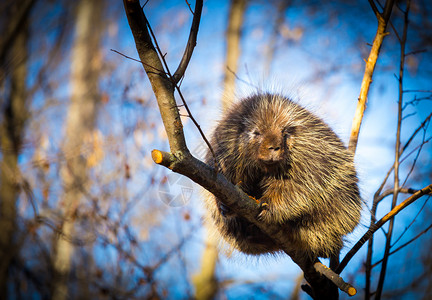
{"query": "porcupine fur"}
pixel 283 155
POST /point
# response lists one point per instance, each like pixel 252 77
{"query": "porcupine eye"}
pixel 287 132
pixel 256 133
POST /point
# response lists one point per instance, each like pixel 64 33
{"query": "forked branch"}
pixel 179 73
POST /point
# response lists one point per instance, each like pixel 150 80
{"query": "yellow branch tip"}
pixel 157 156
pixel 352 291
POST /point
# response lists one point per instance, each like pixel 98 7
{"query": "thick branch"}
pixel 161 84
pixel 372 229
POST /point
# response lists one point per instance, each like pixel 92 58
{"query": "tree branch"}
pixel 372 229
pixel 179 73
pixel 405 244
pixel 161 84
pixel 369 69
pixel 397 153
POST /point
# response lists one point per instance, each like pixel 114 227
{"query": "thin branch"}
pixel 377 196
pixel 387 10
pixel 249 83
pixel 161 84
pixel 422 125
pixel 416 52
pixel 417 91
pixel 415 149
pixel 390 192
pixel 179 73
pixel 174 82
pixel 190 8
pixel 415 158
pixel 137 60
pixel 397 155
pixel 197 126
pixel 411 223
pixel 425 191
pixel 406 244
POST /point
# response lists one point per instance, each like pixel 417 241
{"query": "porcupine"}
pixel 291 161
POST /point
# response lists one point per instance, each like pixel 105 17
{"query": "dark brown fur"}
pixel 283 155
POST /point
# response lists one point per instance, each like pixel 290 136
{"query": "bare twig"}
pixel 374 8
pixel 179 73
pixel 415 158
pixel 405 244
pixel 417 91
pixel 422 125
pixel 377 196
pixel 412 222
pixel 390 192
pixel 137 60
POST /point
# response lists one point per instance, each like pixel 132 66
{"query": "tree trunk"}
pixel 233 35
pixel 86 65
pixel 205 282
pixel 14 117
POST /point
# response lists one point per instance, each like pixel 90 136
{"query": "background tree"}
pixel 13 75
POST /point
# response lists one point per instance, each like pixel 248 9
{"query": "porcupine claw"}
pixel 265 214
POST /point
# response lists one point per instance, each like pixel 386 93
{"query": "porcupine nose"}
pixel 274 153
pixel 270 150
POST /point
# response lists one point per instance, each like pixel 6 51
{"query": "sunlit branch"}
pixel 367 77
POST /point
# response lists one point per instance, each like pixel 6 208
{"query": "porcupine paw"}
pixel 265 214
